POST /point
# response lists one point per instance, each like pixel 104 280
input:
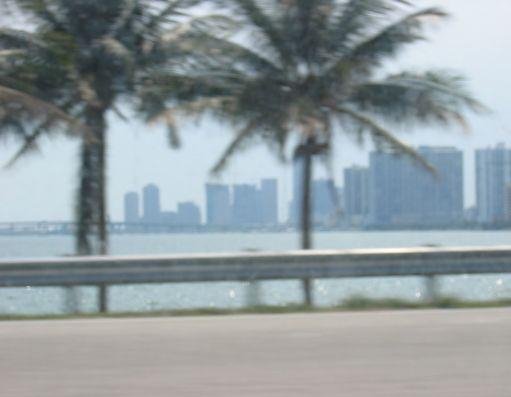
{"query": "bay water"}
pixel 30 300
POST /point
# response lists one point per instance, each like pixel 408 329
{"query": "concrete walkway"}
pixel 414 353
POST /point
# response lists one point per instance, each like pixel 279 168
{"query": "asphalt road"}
pixel 413 353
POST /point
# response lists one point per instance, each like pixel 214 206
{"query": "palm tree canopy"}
pixel 88 53
pixel 308 67
pixel 21 111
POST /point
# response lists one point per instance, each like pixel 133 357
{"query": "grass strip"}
pixel 354 303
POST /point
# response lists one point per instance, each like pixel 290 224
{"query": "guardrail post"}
pixel 103 298
pixel 308 298
pixel 431 288
pixel 254 294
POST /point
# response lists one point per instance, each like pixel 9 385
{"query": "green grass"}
pixel 446 302
pixel 354 303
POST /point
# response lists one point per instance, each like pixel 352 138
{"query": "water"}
pixel 30 300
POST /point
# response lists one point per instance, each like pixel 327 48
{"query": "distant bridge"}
pixel 63 227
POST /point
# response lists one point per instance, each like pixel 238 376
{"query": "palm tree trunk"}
pixel 102 199
pixel 85 200
pixel 91 195
pixel 305 218
pixel 306 152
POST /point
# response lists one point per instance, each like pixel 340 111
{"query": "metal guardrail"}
pixel 303 265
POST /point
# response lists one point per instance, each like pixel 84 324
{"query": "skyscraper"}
pixel 324 201
pixel 356 194
pixel 218 205
pixel 246 208
pixel 152 209
pixel 404 193
pixel 507 204
pixel 268 197
pixel 131 208
pixel 493 175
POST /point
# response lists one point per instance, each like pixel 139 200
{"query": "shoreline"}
pixel 353 304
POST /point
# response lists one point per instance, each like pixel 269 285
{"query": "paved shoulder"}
pixel 412 353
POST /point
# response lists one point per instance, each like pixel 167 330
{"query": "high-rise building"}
pixel 324 201
pixel 493 175
pixel 188 214
pixel 218 205
pixel 131 208
pixel 268 196
pixel 356 194
pixel 507 204
pixel 341 198
pixel 403 193
pixel 152 209
pixel 246 208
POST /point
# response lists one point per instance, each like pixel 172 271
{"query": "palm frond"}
pixel 126 13
pixel 10 53
pixel 241 137
pixel 15 39
pixel 306 27
pixel 381 134
pixel 387 42
pixel 259 20
pixel 167 116
pixel 228 53
pixel 29 145
pixel 45 11
pixel 357 16
pixel 430 97
pixel 116 48
pixel 200 25
pixel 173 8
pixel 34 105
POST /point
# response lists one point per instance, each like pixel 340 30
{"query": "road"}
pixel 451 353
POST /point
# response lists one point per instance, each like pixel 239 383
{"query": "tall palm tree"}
pixel 93 52
pixel 304 69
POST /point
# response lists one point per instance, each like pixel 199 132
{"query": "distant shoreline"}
pixel 42 230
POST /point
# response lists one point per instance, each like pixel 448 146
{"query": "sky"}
pixel 475 41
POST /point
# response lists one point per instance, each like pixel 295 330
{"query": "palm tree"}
pixel 303 70
pixel 89 55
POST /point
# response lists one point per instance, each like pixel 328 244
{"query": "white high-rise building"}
pixel 493 176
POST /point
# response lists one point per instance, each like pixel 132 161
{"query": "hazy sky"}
pixel 476 41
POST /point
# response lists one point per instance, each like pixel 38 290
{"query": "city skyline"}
pixel 149 210
pixel 392 190
pixel 324 208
